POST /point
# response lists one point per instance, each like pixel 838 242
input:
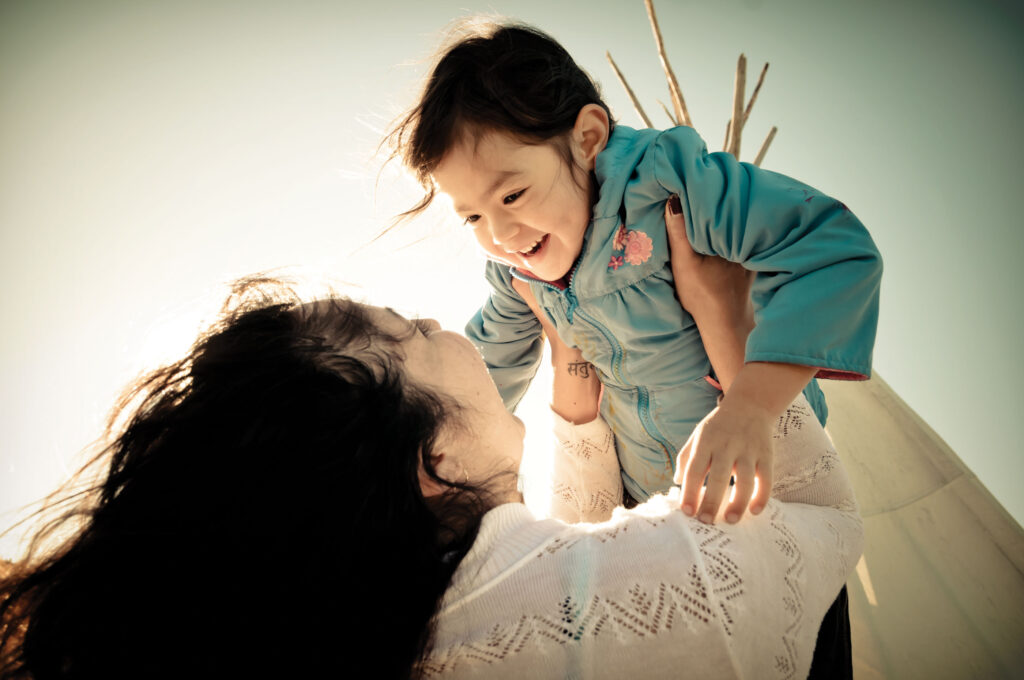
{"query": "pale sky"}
pixel 152 151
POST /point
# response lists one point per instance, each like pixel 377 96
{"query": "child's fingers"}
pixel 693 478
pixel 681 460
pixel 714 492
pixel 764 488
pixel 745 474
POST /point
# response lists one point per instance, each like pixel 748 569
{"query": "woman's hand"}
pixel 576 392
pixel 716 293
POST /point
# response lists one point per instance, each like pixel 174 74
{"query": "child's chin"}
pixel 548 275
pixel 501 260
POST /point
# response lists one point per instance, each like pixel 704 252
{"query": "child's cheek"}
pixel 493 252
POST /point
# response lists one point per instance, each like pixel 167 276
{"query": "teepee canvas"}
pixel 939 591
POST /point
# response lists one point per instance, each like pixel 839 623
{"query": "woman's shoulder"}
pixel 513 544
pixel 644 587
pixel 520 561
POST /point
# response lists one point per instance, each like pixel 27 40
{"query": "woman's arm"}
pixel 585 483
pixel 819 271
pixel 735 440
pixel 716 292
pixel 576 392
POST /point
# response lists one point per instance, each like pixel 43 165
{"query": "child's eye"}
pixel 471 219
pixel 511 198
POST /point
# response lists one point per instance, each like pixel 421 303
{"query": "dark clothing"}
pixel 833 652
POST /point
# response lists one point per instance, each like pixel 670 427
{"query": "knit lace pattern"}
pixel 649 590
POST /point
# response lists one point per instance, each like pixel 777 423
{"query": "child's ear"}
pixel 590 134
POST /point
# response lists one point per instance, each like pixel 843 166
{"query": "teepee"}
pixel 939 591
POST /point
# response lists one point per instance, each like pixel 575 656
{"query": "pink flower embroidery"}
pixel 638 247
pixel 620 238
pixel 616 262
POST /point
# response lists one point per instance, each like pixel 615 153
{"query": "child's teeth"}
pixel 526 251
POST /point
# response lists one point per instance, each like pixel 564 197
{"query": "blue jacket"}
pixel 815 293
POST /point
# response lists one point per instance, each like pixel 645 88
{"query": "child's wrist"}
pixel 747 407
pixel 768 387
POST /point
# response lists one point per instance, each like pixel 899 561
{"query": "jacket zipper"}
pixel 643 404
pixel 643 395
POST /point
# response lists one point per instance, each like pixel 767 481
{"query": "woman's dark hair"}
pixel 261 515
pixel 492 77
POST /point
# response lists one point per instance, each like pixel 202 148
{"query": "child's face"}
pixel 523 202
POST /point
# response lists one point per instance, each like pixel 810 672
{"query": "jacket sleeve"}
pixel 818 271
pixel 508 336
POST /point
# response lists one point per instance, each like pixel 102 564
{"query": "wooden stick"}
pixel 736 129
pixel 629 91
pixel 757 88
pixel 728 128
pixel 673 85
pixel 668 113
pixel 764 146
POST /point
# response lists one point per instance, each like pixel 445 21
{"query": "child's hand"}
pixel 734 439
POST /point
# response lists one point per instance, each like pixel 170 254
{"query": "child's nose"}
pixel 502 230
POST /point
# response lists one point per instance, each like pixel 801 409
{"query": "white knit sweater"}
pixel 650 592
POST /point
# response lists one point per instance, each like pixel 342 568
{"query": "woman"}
pixel 328 489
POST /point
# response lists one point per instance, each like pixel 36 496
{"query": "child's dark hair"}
pixel 260 515
pixel 493 77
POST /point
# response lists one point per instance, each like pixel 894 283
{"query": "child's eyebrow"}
pixel 499 179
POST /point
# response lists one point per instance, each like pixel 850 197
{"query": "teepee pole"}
pixel 764 146
pixel 682 115
pixel 736 125
pixel 753 97
pixel 668 113
pixel 741 108
pixel 629 91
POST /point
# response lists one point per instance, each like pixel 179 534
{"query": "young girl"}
pixel 569 207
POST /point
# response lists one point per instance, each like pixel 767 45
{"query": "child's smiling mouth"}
pixel 532 250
